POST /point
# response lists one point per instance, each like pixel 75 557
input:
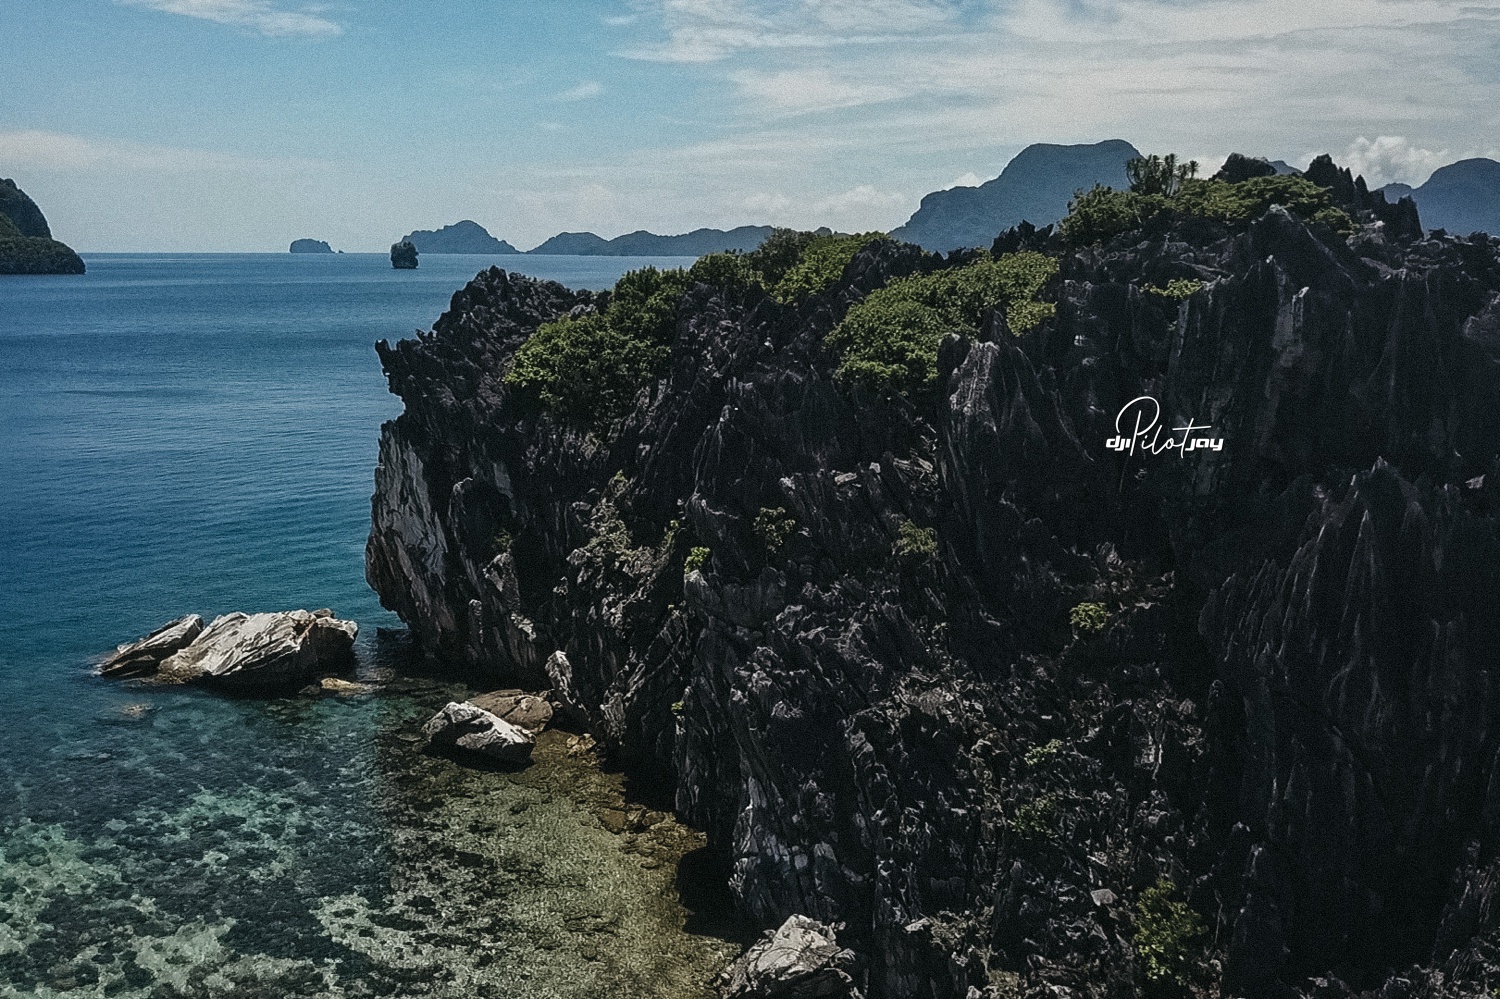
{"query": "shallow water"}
pixel 198 433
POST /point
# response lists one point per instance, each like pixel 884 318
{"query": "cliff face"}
pixel 872 694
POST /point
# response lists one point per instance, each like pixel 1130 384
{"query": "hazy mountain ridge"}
pixel 1461 197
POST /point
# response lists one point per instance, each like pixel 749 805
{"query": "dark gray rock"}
pixel 310 246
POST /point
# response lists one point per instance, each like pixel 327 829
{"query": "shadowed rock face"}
pixel 1288 712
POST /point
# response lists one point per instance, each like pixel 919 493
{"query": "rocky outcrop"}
pixel 404 256
pixel 1279 716
pixel 145 655
pixel 528 712
pixel 242 652
pixel 467 726
pixel 800 960
pixel 310 246
pixel 26 243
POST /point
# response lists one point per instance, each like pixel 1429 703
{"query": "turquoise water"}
pixel 198 433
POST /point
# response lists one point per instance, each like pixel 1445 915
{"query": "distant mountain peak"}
pixel 466 236
pixel 648 244
pixel 1461 197
pixel 1034 187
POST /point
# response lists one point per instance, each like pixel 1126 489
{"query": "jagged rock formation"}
pixel 460 237
pixel 26 243
pixel 241 652
pixel 1461 197
pixel 1034 187
pixel 404 256
pixel 310 246
pixel 801 959
pixel 648 244
pixel 1281 715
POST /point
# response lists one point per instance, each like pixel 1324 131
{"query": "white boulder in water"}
pixel 468 726
pixel 241 651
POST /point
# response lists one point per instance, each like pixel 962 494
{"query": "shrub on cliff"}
pixel 889 341
pixel 820 264
pixel 587 370
pixel 1166 932
pixel 1098 215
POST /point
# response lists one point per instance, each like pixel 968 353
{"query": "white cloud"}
pixel 1393 158
pixel 582 92
pixel 970 179
pixel 262 16
pixel 40 150
pixel 803 90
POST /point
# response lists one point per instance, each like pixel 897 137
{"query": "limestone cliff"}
pixel 1027 714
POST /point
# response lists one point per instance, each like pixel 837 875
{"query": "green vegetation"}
pixel 588 369
pixel 1038 756
pixel 1099 215
pixel 1036 819
pixel 696 560
pixel 677 707
pixel 820 265
pixel 1166 929
pixel 22 254
pixel 1089 618
pixel 502 541
pixel 889 341
pixel 773 526
pixel 1178 289
pixel 1159 174
pixel 915 542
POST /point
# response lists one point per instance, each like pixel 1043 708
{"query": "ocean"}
pixel 197 433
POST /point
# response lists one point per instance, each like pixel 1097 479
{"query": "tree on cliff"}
pixel 404 256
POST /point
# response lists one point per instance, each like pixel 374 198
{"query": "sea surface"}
pixel 197 433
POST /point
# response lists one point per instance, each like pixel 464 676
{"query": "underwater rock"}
pixel 466 726
pixel 143 656
pixel 800 960
pixel 241 651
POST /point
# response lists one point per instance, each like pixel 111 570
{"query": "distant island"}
pixel 1034 187
pixel 310 246
pixel 460 237
pixel 1462 197
pixel 26 243
pixel 646 244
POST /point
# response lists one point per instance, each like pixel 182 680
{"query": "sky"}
pixel 239 125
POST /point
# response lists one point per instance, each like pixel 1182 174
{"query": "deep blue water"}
pixel 197 433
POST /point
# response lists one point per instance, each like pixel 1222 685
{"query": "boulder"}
pixel 800 960
pixel 241 651
pixel 526 711
pixel 144 655
pixel 466 726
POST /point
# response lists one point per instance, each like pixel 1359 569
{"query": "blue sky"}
pixel 242 124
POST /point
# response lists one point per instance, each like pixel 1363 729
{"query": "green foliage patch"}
pixel 773 525
pixel 1166 931
pixel 889 341
pixel 1037 818
pixel 588 369
pixel 915 542
pixel 1178 289
pixel 1089 618
pixel 1098 215
pixel 696 560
